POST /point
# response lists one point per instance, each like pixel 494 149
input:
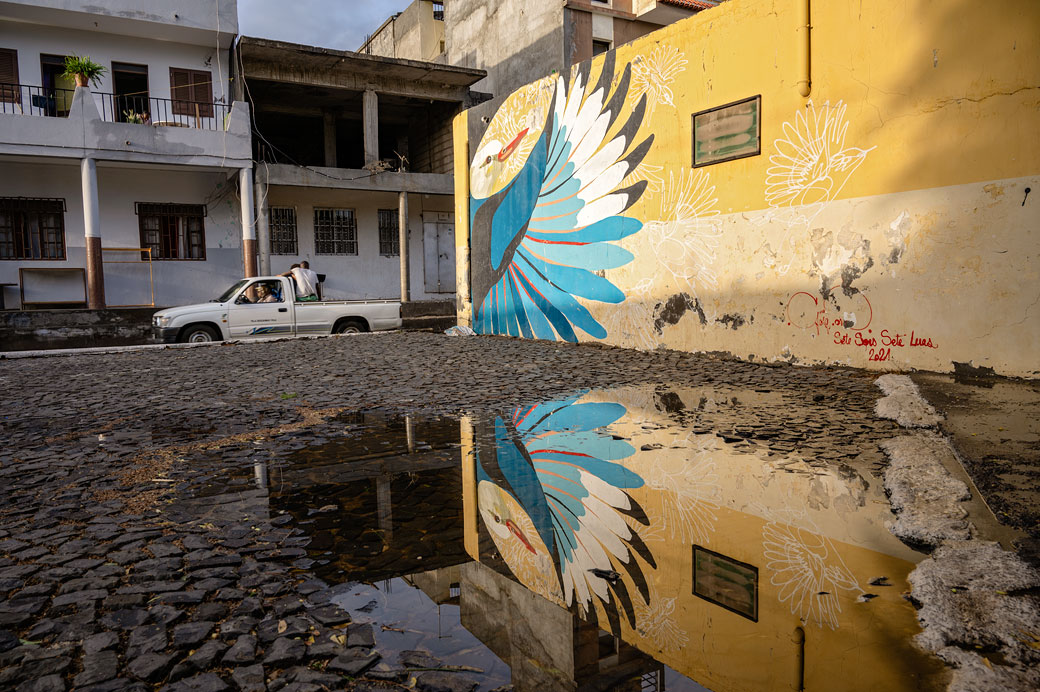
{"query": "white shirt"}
pixel 306 282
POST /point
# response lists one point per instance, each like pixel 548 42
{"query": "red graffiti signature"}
pixel 821 319
pixel 879 347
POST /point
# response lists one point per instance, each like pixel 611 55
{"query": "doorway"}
pixel 56 99
pixel 439 252
pixel 130 89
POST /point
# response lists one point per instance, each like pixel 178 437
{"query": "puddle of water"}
pixel 631 538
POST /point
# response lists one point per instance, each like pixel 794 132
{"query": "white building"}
pixel 156 155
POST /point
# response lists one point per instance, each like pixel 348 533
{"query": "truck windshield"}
pixel 226 295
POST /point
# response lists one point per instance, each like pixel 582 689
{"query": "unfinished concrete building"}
pixel 354 166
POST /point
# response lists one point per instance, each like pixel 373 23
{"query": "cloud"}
pixel 339 24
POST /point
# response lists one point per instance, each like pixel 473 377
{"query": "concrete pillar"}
pixel 329 122
pixel 385 509
pixel 370 118
pixel 92 233
pixel 402 239
pixel 263 228
pixel 245 192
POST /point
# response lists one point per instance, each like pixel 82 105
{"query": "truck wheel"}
pixel 198 334
pixel 350 327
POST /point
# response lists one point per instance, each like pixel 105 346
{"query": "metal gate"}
pixel 439 252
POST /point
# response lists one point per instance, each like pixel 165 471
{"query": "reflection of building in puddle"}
pixel 708 553
pixel 382 502
pixel 549 647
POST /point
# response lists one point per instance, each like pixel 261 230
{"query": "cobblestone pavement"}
pixel 99 590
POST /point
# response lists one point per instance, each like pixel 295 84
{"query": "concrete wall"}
pixel 176 282
pixel 367 274
pixel 412 34
pixel 514 41
pixel 885 224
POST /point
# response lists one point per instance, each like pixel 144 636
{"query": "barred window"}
pixel 283 231
pixel 172 231
pixel 389 239
pixel 335 232
pixel 32 228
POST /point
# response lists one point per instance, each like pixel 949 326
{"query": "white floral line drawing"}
pixel 806 567
pixel 684 241
pixel 809 168
pixel 657 622
pixel 652 75
pixel 689 492
pixel 633 319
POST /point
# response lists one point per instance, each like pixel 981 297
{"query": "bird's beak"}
pixel 511 147
pixel 515 530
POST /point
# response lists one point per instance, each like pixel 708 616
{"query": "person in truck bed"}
pixel 304 280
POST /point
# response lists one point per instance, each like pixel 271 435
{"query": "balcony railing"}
pixel 26 99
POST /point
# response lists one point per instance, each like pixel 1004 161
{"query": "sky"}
pixel 340 24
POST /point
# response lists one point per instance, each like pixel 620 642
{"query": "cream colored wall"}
pixel 908 242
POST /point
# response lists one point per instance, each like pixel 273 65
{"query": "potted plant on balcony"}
pixel 83 70
pixel 135 118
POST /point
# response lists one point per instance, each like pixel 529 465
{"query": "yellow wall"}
pixel 919 230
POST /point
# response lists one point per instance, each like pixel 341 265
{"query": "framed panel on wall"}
pixel 726 582
pixel 727 132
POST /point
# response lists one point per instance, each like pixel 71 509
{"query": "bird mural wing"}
pixel 555 465
pixel 540 238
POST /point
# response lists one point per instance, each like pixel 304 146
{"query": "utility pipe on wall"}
pixel 804 48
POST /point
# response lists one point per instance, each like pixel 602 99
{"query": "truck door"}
pixel 261 309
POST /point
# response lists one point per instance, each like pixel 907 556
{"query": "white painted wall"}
pixel 368 274
pixel 176 282
pixel 32 40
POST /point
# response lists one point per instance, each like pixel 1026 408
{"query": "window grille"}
pixel 389 237
pixel 283 231
pixel 32 228
pixel 172 231
pixel 335 232
pixel 438 11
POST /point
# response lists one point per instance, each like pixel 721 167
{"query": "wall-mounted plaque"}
pixel 726 582
pixel 727 132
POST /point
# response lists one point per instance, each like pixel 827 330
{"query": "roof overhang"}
pixel 310 65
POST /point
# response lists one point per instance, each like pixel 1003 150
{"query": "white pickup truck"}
pixel 265 306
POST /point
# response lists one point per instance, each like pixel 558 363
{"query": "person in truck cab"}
pixel 266 293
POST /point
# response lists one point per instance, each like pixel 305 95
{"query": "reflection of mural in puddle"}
pixel 791 548
pixel 555 500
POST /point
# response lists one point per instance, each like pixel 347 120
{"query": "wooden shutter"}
pixel 203 92
pixel 181 91
pixel 9 90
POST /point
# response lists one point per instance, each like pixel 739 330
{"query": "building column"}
pixel 92 233
pixel 263 228
pixel 370 118
pixel 329 123
pixel 402 241
pixel 245 192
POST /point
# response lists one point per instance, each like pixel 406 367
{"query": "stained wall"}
pixel 885 222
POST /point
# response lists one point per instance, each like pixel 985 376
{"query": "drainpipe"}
pixel 804 48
